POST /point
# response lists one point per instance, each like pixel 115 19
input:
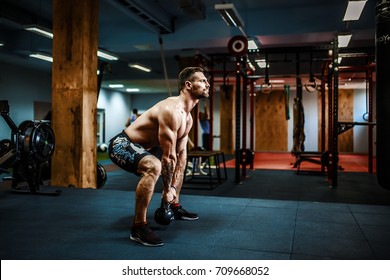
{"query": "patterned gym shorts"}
pixel 125 153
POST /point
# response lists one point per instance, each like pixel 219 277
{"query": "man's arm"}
pixel 168 127
pixel 182 145
pixel 178 175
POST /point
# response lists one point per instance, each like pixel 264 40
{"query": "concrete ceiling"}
pixel 295 35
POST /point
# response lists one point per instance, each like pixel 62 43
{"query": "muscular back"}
pixel 165 124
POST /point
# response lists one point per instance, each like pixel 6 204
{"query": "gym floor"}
pixel 271 215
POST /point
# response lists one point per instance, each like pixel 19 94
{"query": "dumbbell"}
pixel 164 214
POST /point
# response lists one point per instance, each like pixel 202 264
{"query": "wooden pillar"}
pixel 74 92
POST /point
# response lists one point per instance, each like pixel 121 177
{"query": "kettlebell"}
pixel 164 214
pixel 101 176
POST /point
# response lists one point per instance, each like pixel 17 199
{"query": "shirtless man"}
pixel 155 144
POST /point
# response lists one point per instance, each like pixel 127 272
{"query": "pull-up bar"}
pixel 345 126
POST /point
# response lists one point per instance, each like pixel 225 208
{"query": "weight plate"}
pixel 37 139
pixel 238 45
pixel 247 156
pixel 101 175
pixel 42 141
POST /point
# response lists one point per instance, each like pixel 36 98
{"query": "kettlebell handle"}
pixel 165 205
pixel 163 215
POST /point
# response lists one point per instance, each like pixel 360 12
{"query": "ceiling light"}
pixel 106 55
pixel 47 33
pixel 132 89
pixel 1 44
pixel 140 67
pixel 115 85
pixel 354 10
pixel 229 14
pixel 252 45
pixel 344 40
pixel 42 56
pixel 261 63
pixel 40 31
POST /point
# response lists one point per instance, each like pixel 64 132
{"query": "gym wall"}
pixel 26 88
pixel 21 86
pixel 117 106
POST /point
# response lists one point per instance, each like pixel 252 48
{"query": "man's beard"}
pixel 202 96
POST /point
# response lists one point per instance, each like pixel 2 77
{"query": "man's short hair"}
pixel 186 74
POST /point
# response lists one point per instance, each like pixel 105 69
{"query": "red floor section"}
pixel 285 161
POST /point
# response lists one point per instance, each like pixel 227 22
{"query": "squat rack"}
pixel 335 127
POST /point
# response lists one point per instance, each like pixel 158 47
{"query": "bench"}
pixel 212 173
pixel 320 158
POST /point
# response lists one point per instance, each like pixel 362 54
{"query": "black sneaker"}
pixel 146 236
pixel 182 214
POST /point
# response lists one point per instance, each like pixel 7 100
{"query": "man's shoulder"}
pixel 166 105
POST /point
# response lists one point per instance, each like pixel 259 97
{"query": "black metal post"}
pixel 211 107
pixel 383 92
pixel 244 116
pixel 238 120
pixel 330 116
pixel 370 120
pixel 252 119
pixel 335 154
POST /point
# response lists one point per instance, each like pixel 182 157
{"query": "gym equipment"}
pixel 336 127
pixel 196 165
pixel 27 152
pixel 287 101
pixel 382 92
pixel 322 159
pixel 213 162
pixel 333 107
pixel 311 85
pixel 5 146
pixel 38 139
pixel 101 175
pixel 266 87
pixel 7 155
pixel 246 157
pixel 345 126
pixel 238 119
pixel 164 214
pixel 102 147
pixel 238 45
pixel 299 114
pixel 299 125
